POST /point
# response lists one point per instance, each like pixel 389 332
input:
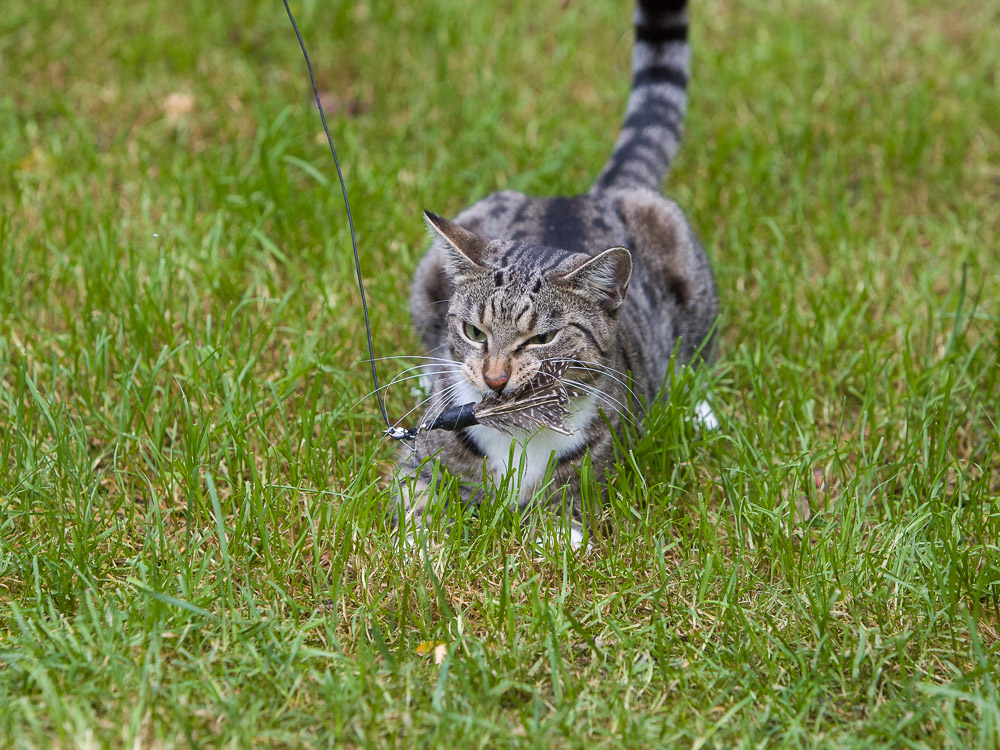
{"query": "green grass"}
pixel 194 547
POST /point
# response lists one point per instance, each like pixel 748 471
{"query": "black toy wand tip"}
pixel 451 419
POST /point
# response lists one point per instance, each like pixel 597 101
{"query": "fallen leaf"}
pixel 337 106
pixel 437 649
pixel 802 511
pixel 440 651
pixel 820 479
pixel 176 105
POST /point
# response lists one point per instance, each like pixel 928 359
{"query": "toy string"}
pixel 453 418
pixel 354 243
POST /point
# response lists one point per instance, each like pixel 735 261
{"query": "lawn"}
pixel 194 540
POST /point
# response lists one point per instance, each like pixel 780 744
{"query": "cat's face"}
pixel 504 321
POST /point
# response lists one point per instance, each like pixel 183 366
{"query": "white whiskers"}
pixel 602 370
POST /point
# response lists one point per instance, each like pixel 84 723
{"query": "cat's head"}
pixel 505 319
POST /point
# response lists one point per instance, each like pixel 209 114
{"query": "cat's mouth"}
pixel 576 376
pixel 547 399
pixel 540 401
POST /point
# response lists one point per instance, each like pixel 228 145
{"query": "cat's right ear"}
pixel 467 249
pixel 604 277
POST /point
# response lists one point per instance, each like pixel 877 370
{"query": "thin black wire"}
pixel 350 220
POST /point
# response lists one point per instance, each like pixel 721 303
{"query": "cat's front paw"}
pixel 557 538
pixel 705 417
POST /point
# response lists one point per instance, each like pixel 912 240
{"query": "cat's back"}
pixel 575 224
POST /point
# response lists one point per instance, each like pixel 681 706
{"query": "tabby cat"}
pixel 610 284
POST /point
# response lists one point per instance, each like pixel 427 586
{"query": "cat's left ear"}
pixel 467 248
pixel 604 277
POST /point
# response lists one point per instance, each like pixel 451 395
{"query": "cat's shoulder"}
pixel 643 210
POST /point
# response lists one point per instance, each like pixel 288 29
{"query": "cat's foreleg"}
pixel 557 511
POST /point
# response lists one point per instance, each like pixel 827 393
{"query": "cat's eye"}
pixel 543 338
pixel 473 333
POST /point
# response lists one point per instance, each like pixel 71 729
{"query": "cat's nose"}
pixel 498 382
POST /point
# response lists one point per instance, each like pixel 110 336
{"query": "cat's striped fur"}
pixel 654 116
pixel 617 275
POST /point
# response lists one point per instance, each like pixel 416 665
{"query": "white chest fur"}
pixel 525 456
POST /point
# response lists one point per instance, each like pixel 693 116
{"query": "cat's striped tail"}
pixel 661 62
